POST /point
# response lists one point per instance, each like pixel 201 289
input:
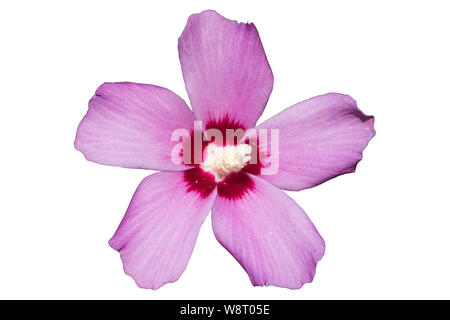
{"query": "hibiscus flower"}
pixel 228 80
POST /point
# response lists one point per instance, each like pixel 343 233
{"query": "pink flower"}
pixel 228 80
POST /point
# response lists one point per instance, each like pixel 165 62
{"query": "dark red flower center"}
pixel 223 156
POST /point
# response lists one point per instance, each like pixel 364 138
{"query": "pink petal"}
pixel 158 233
pixel 269 235
pixel 130 125
pixel 319 139
pixel 225 69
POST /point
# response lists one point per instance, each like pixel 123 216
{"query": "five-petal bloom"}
pixel 228 80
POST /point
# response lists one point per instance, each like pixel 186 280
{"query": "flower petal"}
pixel 319 139
pixel 158 233
pixel 269 235
pixel 225 69
pixel 130 125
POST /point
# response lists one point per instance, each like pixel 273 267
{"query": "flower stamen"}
pixel 223 160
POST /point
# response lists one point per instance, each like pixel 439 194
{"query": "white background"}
pixel 387 227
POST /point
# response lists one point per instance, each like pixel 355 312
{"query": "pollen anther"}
pixel 223 160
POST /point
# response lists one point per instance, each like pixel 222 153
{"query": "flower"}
pixel 228 80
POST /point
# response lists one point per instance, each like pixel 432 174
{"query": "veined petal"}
pixel 158 233
pixel 319 139
pixel 225 69
pixel 130 125
pixel 269 235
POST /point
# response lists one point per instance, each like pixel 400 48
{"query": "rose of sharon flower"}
pixel 228 80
